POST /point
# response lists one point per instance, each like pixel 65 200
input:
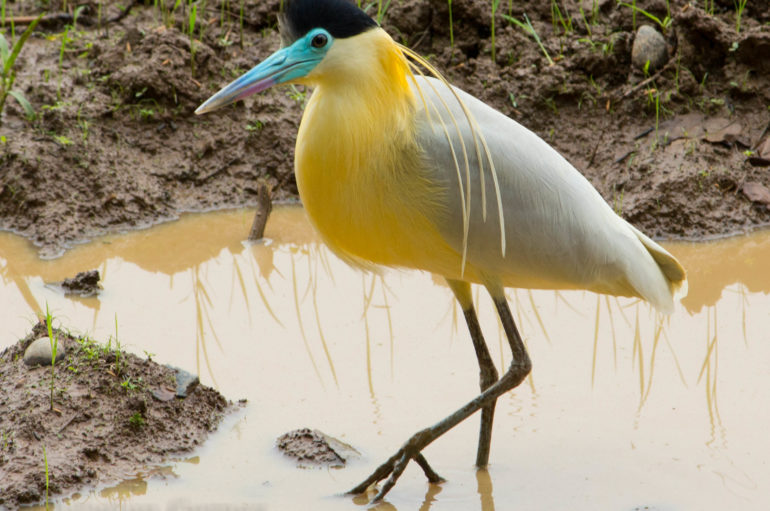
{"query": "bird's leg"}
pixel 487 371
pixel 487 376
pixel 518 370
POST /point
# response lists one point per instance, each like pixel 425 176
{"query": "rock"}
pixel 185 382
pixel 313 447
pixel 649 45
pixel 39 352
pixel 85 284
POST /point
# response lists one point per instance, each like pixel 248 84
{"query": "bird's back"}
pixel 558 231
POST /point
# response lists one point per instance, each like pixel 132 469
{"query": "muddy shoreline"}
pixel 116 145
pixel 106 415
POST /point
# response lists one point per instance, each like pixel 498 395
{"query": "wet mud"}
pixel 116 146
pixel 107 418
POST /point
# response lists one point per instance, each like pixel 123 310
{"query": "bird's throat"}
pixel 358 166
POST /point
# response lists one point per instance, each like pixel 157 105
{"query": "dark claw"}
pixel 398 469
pixel 432 476
pixel 394 467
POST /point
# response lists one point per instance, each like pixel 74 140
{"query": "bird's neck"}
pixel 357 157
pixel 362 102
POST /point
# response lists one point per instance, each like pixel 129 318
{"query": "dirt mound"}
pixel 116 146
pixel 112 414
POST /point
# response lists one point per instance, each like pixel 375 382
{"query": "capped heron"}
pixel 400 169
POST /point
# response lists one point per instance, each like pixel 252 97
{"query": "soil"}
pixel 312 448
pixel 113 414
pixel 681 153
pixel 84 284
pixel 116 145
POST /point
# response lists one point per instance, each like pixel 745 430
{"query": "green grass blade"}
pixel 19 44
pixel 28 110
pixel 4 50
pixel 529 29
pixel 649 15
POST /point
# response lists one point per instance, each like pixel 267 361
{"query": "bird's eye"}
pixel 319 41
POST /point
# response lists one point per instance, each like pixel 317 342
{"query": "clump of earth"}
pixel 313 448
pixel 105 414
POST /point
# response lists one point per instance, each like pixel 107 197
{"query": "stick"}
pixel 264 206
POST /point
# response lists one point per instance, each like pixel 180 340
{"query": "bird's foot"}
pixel 395 466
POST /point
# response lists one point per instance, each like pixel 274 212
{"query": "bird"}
pixel 396 167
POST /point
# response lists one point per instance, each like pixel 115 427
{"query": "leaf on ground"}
pixel 716 130
pixel 721 130
pixel 683 126
pixel 757 192
pixel 761 157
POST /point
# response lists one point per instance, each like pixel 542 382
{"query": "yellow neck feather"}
pixel 358 165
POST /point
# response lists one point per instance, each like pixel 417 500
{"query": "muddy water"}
pixel 625 409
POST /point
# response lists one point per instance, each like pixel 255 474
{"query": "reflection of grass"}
pixel 261 292
pixel 366 300
pixel 710 366
pixel 656 339
pixel 383 286
pixel 320 329
pixel 299 320
pixel 612 329
pixel 537 315
pixel 202 303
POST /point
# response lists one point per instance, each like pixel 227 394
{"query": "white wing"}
pixel 559 232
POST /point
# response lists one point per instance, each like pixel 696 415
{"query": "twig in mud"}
pixel 644 133
pixel 644 82
pixel 48 19
pixel 596 147
pixel 622 158
pixel 264 207
pixel 755 145
pixel 124 12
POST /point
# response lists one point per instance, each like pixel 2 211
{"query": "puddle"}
pixel 624 410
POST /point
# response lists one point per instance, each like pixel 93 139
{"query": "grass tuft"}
pixel 8 56
pixel 530 30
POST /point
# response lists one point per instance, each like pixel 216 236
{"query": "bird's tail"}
pixel 673 272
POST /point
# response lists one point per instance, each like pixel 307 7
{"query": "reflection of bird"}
pixel 404 170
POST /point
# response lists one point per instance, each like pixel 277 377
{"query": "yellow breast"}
pixel 358 166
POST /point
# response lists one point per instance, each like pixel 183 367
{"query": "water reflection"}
pixel 485 489
pixel 713 266
pixel 379 357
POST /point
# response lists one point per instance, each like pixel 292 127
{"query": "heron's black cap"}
pixel 341 18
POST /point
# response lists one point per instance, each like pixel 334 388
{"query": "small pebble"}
pixel 650 45
pixel 39 352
